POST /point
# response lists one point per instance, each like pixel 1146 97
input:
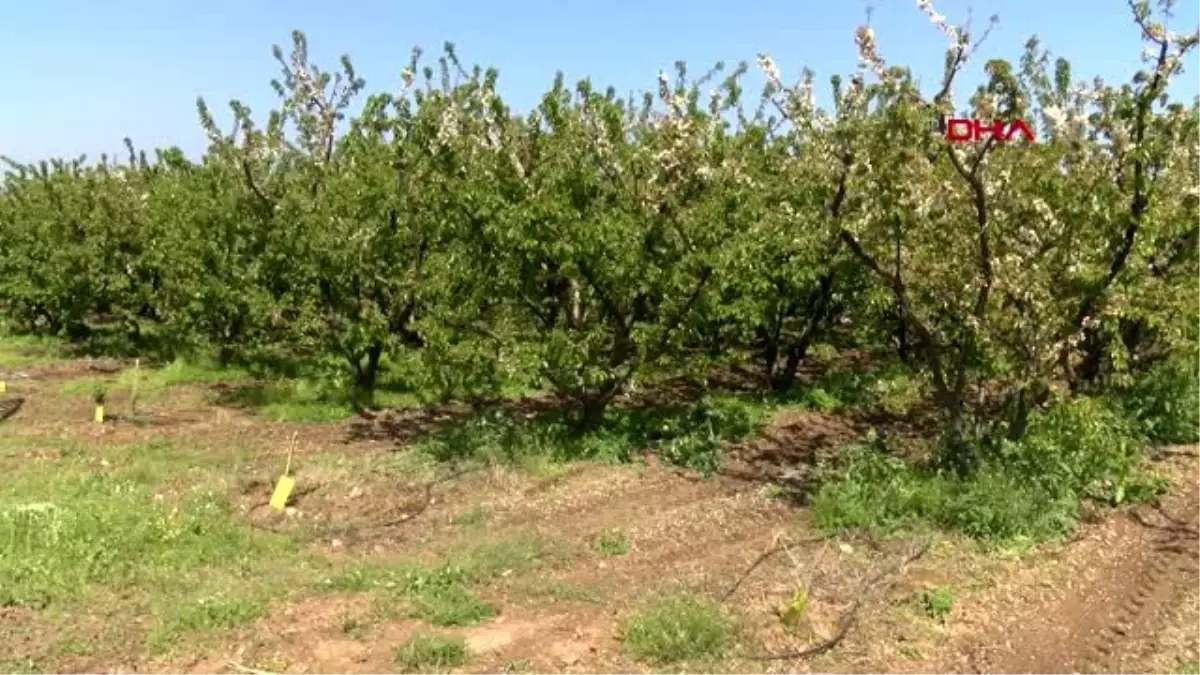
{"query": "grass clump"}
pixel 207 614
pixel 1026 490
pixel 678 628
pixel 612 543
pixel 424 653
pixel 443 595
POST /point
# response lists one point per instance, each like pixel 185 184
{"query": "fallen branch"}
pixel 846 621
pixel 247 669
pixel 767 555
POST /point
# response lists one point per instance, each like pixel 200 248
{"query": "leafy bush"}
pixel 1030 489
pixel 1165 402
pixel 688 436
pixel 1082 448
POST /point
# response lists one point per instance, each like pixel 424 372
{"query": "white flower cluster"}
pixel 448 127
pixel 770 69
pixel 868 54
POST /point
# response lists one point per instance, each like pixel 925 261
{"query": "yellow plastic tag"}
pixel 283 490
pixel 99 417
pixel 3 387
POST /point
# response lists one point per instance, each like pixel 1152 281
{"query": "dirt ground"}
pixel 1121 596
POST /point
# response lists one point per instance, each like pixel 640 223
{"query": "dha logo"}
pixel 970 130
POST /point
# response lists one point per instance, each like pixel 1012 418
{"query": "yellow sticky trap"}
pixel 99 416
pixel 3 387
pixel 283 490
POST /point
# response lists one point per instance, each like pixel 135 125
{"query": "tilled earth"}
pixel 1119 597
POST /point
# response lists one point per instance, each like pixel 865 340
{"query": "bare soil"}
pixel 1120 597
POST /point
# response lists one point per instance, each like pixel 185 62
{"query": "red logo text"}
pixel 968 130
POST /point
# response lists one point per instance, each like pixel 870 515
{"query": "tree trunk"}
pixel 366 375
pixel 1091 368
pixel 594 404
pixel 956 454
pixel 784 379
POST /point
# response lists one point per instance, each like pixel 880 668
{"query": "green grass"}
pixel 678 628
pixel 1188 667
pixel 476 515
pixel 22 351
pixel 443 594
pixel 556 590
pixel 79 535
pixel 295 399
pixel 307 400
pixel 612 543
pixel 205 615
pixel 424 653
pixel 148 380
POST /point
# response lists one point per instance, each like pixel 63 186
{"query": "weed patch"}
pixel 937 602
pixel 424 653
pixel 443 595
pixel 612 543
pixel 678 628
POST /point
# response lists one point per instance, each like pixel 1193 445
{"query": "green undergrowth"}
pixel 688 435
pixel 1165 404
pixel 19 351
pixel 310 397
pixel 1087 449
pixel 147 380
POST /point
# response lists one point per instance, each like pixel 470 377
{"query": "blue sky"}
pixel 79 75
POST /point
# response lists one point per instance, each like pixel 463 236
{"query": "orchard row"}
pixel 596 237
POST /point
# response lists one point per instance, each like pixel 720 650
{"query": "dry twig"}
pixel 846 621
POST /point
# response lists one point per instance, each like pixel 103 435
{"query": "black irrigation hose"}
pixel 9 407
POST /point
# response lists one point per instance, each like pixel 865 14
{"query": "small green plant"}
pixel 612 543
pixel 99 394
pixel 678 628
pixel 937 601
pixel 424 653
